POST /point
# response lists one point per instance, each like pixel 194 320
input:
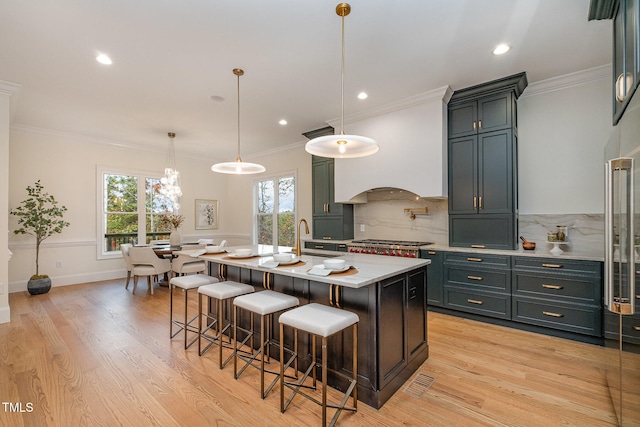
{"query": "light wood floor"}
pixel 96 355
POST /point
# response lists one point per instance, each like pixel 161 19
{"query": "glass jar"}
pixel 552 236
pixel 561 231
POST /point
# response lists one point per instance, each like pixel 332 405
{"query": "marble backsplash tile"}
pixel 384 217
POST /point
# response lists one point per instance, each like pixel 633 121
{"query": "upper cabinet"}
pixel 626 69
pixel 483 115
pixel 626 48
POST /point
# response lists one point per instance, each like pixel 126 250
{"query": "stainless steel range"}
pixel 401 248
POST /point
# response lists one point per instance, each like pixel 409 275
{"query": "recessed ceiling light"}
pixel 103 59
pixel 363 95
pixel 501 48
pixel 283 122
pixel 217 98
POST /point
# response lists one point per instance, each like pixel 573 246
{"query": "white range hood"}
pixel 412 134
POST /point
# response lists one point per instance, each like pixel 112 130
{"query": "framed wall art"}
pixel 206 214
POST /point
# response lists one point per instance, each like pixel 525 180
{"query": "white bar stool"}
pixel 186 283
pixel 324 321
pixel 266 304
pixel 222 292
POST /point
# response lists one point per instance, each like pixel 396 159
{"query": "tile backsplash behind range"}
pixel 384 217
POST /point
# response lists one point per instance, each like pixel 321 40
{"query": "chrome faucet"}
pixel 298 248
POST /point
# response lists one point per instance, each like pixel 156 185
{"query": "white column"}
pixel 7 89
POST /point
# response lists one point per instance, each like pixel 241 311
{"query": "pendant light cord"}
pixel 239 159
pixel 342 82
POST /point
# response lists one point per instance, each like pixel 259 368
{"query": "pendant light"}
pixel 170 182
pixel 238 167
pixel 342 146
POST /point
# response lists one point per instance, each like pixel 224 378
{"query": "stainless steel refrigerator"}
pixel 622 265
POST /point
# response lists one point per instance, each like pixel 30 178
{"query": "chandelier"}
pixel 342 146
pixel 170 182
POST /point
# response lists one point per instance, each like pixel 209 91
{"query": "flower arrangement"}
pixel 169 220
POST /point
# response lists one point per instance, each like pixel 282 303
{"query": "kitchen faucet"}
pixel 298 249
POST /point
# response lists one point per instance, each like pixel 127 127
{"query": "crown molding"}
pixel 568 80
pixel 11 90
pixel 440 94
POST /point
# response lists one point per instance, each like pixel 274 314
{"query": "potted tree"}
pixel 40 216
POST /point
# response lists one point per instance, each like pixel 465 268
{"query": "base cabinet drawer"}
pixel 485 303
pixel 577 289
pixel 496 280
pixel 630 327
pixel 582 319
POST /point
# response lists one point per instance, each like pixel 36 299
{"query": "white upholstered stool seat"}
pixel 221 292
pixel 186 283
pixel 324 321
pixel 265 304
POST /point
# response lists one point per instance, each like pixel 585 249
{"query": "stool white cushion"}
pixel 319 319
pixel 193 281
pixel 266 302
pixel 225 290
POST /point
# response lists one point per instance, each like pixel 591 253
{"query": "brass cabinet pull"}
pixel 475 202
pixel 553 265
pixel 319 246
pixel 636 328
pixel 479 124
pixel 637 296
pixel 480 203
pixel 435 253
pixel 549 313
pixel 544 285
pixel 474 277
pixel 478 246
pixel 474 259
pixel 475 301
pixel 474 125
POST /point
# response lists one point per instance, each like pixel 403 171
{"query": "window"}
pixel 276 211
pixel 129 211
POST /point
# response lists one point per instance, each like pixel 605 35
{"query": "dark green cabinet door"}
pixel 496 174
pixel 463 175
pixel 463 119
pixel 321 189
pixel 434 277
pixel 494 112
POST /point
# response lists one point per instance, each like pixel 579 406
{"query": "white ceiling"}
pixel 171 56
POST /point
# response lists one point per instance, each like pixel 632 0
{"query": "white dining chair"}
pixel 146 263
pixel 185 264
pixel 124 248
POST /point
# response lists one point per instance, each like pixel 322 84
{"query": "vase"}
pixel 39 286
pixel 174 238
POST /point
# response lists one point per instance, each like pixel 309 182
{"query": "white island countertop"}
pixel 370 269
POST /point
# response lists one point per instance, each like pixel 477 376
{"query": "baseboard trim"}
pixel 5 314
pixel 75 279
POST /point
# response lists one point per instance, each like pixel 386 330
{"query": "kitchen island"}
pixel 388 294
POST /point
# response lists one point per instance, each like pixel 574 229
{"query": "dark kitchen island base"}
pixel 392 333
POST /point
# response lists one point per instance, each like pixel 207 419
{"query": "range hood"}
pixel 412 134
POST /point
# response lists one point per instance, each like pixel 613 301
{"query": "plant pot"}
pixel 39 285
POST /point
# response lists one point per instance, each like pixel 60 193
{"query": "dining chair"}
pixel 185 264
pixel 146 263
pixel 124 248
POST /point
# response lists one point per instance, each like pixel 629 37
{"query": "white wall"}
pixel 6 91
pixel 563 126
